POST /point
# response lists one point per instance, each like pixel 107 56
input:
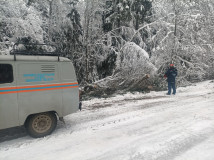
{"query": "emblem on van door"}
pixel 39 77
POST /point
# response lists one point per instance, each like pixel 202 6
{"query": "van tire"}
pixel 42 124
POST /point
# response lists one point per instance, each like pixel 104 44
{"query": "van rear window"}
pixel 6 73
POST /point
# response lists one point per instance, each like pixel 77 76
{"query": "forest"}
pixel 118 45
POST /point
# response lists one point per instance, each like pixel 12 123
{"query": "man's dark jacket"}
pixel 171 74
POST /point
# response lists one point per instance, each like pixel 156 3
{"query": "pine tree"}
pixel 142 11
pixel 129 13
pixel 74 31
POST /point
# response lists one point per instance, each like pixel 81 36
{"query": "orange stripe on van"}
pixel 49 85
pixel 9 90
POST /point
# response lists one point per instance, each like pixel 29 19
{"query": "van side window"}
pixel 6 73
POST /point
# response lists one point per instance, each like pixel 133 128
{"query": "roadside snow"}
pixel 129 127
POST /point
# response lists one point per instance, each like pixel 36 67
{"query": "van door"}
pixel 40 88
pixel 8 96
pixel 70 94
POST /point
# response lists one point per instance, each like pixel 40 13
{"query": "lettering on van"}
pixel 39 77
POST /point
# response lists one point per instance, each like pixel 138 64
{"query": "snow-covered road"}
pixel 129 127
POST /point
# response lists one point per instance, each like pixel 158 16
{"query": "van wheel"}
pixel 40 125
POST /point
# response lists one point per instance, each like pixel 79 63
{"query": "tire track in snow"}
pixel 100 118
pixel 19 132
pixel 185 137
pixel 119 109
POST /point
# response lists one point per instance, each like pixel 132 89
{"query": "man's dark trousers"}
pixel 171 86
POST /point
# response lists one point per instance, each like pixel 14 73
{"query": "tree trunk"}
pixel 50 20
pixel 175 33
pixel 137 21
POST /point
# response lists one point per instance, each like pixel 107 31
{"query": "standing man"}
pixel 171 75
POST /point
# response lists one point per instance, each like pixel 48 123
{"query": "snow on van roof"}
pixel 32 58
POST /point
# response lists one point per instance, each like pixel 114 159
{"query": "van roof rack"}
pixel 34 49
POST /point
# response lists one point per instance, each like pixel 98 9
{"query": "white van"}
pixel 35 90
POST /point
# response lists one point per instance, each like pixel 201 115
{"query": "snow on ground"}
pixel 129 127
